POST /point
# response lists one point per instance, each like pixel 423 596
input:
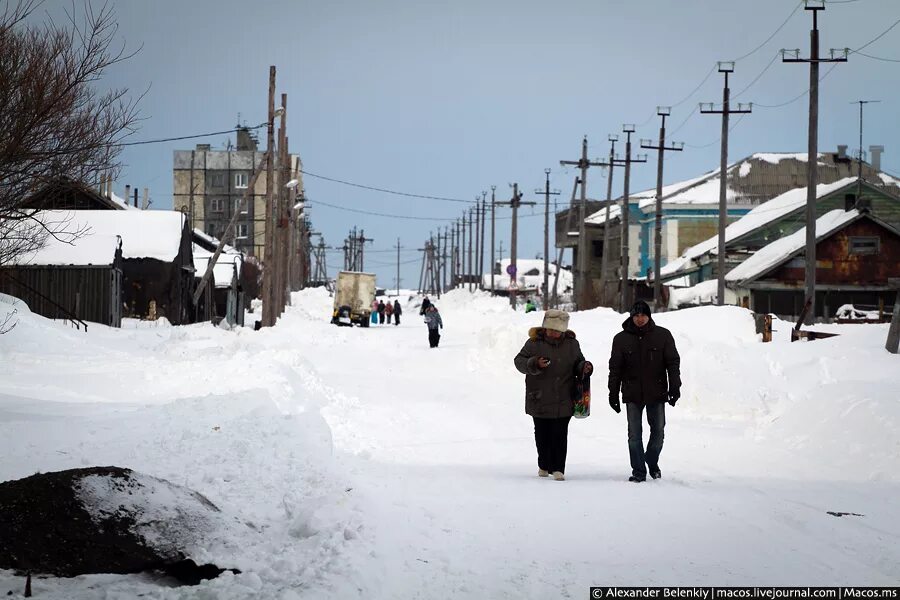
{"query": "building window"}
pixel 243 231
pixel 211 229
pixel 865 245
pixel 240 180
pixel 244 209
pixel 217 205
pixel 218 179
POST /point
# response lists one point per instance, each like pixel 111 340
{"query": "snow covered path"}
pixel 375 467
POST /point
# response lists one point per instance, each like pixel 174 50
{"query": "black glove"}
pixel 614 404
pixel 587 369
pixel 673 397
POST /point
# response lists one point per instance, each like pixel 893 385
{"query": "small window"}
pixel 218 179
pixel 243 231
pixel 240 180
pixel 865 245
pixel 244 209
pixel 217 205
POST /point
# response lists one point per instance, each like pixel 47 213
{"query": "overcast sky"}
pixel 446 98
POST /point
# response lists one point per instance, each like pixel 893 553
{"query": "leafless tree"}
pixel 54 123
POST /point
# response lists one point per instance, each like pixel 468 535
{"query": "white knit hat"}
pixel 557 320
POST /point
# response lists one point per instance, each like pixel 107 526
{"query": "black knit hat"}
pixel 640 308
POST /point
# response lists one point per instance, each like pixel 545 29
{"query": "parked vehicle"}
pixel 353 295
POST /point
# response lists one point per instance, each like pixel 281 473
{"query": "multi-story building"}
pixel 209 185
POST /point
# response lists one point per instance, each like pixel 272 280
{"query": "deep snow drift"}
pixel 370 466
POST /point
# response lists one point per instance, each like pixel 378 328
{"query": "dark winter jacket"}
pixel 644 363
pixel 425 304
pixel 380 307
pixel 397 309
pixel 433 319
pixel 550 392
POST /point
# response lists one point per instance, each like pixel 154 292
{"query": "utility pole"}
pixel 362 239
pixel 268 308
pixel 515 202
pixel 860 156
pixel 282 289
pixel 812 176
pixel 559 255
pixel 627 129
pixel 582 281
pixel 725 68
pixel 462 250
pixel 493 231
pixel 545 291
pixel 604 260
pixel 482 244
pixel 477 237
pixel 893 340
pixel 398 267
pixel 471 235
pixel 661 148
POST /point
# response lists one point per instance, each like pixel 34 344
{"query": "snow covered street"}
pixel 359 463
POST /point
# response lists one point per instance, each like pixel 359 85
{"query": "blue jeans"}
pixel 656 417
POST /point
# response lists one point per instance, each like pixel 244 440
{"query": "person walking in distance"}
pixel 644 365
pixel 397 312
pixel 434 322
pixel 381 312
pixel 388 311
pixel 551 360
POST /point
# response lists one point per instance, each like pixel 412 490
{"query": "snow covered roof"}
pixel 90 237
pixel 701 190
pixel 222 270
pixel 768 257
pixel 760 215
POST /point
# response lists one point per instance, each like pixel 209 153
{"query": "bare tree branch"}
pixel 54 123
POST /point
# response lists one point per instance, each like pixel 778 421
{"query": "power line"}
pixel 188 137
pixel 878 37
pixel 769 39
pixel 384 190
pixel 718 139
pixel 375 214
pixel 791 101
pixel 757 78
pixel 894 60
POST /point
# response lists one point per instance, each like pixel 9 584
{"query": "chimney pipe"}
pixel 127 193
pixel 135 197
pixel 102 183
pixel 842 151
pixel 875 154
pixel 146 203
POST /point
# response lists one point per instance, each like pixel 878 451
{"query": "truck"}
pixel 353 295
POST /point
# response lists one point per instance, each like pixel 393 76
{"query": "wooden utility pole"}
pixel 627 129
pixel 661 148
pixel 604 260
pixel 559 255
pixel 462 250
pixel 281 240
pixel 582 279
pixel 812 175
pixel 469 253
pixel 482 244
pixel 398 267
pixel 493 234
pixel 268 308
pixel 477 237
pixel 545 290
pixel 726 68
pixel 515 202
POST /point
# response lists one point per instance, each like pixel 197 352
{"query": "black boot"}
pixel 637 479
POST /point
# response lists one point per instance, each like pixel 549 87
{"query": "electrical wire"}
pixel 375 214
pixel 718 139
pixel 188 137
pixel 876 38
pixel 893 60
pixel 386 191
pixel 806 91
pixel 757 78
pixel 769 39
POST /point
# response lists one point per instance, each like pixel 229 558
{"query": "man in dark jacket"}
pixel 645 365
pixel 551 360
pixel 397 312
pixel 381 312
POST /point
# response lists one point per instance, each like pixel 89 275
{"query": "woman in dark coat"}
pixel 397 312
pixel 381 312
pixel 551 360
